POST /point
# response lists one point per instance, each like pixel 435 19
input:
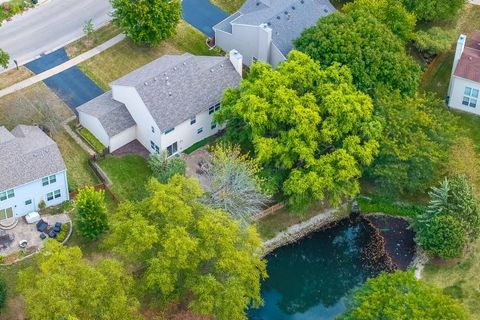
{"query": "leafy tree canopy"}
pixel 164 168
pixel 399 296
pixel 91 219
pixel 430 10
pixel 147 21
pixel 414 147
pixel 434 40
pixel 392 13
pixel 63 285
pixel 4 59
pixel 374 54
pixel 307 125
pixel 190 253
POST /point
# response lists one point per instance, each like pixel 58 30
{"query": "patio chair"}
pixel 42 226
pixel 58 227
pixel 52 234
pixel 43 236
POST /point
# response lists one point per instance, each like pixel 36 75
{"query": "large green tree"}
pixel 430 10
pixel 91 220
pixel 310 128
pixel 4 59
pixel 147 21
pixel 62 285
pixel 392 13
pixel 374 54
pixel 190 253
pixel 414 147
pixel 399 296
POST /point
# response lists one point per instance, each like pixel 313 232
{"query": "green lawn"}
pixel 125 56
pixel 229 6
pixel 86 43
pixel 129 175
pixel 13 76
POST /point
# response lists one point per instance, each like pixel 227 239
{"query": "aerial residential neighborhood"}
pixel 239 159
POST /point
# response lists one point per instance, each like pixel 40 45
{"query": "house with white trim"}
pixel 265 29
pixel 464 88
pixel 167 104
pixel 32 171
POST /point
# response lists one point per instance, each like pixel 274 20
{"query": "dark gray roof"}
pixel 113 115
pixel 286 18
pixel 27 154
pixel 176 88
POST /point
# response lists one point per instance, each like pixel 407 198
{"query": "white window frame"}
pixel 470 97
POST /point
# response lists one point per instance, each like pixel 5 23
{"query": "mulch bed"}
pixel 399 239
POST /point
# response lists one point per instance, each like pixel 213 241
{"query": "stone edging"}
pixel 300 230
pixel 75 137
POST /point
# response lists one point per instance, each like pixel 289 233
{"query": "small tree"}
pixel 164 168
pixel 233 184
pixel 3 293
pixel 91 221
pixel 400 296
pixel 433 41
pixel 147 21
pixel 4 59
pixel 88 27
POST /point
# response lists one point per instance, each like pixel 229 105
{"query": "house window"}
pixel 217 106
pixel 154 147
pixel 50 196
pixel 6 213
pixel 172 149
pixel 10 194
pixel 193 120
pixel 7 195
pixel 169 130
pixel 49 180
pixel 52 179
pixel 153 129
pixel 211 110
pixel 254 59
pixel 57 194
pixel 45 181
pixel 3 196
pixel 213 125
pixel 199 130
pixel 28 202
pixel 470 97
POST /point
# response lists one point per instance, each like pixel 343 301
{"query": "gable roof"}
pixel 113 115
pixel 176 88
pixel 468 66
pixel 286 18
pixel 27 154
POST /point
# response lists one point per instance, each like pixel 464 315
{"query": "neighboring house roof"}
pixel 286 18
pixel 27 154
pixel 468 66
pixel 176 88
pixel 113 115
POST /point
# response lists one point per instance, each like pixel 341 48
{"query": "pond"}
pixel 311 278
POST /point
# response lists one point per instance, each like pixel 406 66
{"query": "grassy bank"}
pixel 229 6
pixel 86 43
pixel 125 56
pixel 13 76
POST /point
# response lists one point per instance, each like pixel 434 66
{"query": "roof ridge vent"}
pixel 145 83
pixel 170 93
pixel 155 78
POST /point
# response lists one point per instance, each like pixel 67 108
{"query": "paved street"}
pixel 50 26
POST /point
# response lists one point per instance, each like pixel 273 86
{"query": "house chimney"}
pixel 459 50
pixel 237 60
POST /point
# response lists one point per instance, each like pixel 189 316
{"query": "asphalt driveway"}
pixel 71 85
pixel 203 15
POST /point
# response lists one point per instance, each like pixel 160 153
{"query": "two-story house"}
pixel 464 89
pixel 167 104
pixel 265 29
pixel 31 171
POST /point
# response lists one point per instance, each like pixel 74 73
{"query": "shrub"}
pixel 434 41
pixel 91 221
pixel 63 232
pixel 385 205
pixel 3 293
pixel 164 168
pixel 42 205
pixel 92 140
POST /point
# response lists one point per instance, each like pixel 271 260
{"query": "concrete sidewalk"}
pixel 64 66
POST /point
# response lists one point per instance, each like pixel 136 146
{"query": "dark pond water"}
pixel 310 279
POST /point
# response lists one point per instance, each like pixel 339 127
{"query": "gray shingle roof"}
pixel 286 18
pixel 113 115
pixel 27 154
pixel 176 88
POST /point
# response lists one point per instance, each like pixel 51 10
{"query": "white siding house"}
pixel 464 89
pixel 167 104
pixel 264 30
pixel 32 171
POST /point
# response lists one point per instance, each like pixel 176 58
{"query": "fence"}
pixel 268 211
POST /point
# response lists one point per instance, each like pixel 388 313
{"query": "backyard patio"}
pixel 25 237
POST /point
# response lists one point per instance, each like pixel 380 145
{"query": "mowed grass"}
pixel 125 56
pixel 37 105
pixel 98 37
pixel 13 76
pixel 14 307
pixel 129 175
pixel 229 6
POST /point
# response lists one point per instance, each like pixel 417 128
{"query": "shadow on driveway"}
pixel 71 85
pixel 203 15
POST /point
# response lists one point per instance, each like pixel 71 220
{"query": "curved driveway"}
pixel 50 26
